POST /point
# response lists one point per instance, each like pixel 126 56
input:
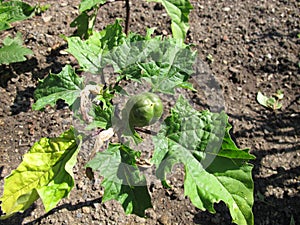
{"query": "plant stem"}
pixel 127 5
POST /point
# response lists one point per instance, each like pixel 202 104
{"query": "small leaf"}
pixel 122 179
pixel 45 172
pixel 13 51
pixel 82 22
pixel 89 4
pixel 12 11
pixel 279 94
pixel 270 102
pixel 262 99
pixel 179 13
pixel 66 85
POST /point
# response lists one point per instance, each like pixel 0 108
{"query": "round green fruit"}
pixel 144 109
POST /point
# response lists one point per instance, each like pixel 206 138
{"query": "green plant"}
pixel 12 50
pixel 144 109
pixel 215 168
pixel 270 102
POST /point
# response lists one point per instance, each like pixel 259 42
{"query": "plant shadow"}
pixel 18 218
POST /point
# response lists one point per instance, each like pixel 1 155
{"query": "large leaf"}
pixel 13 50
pixel 12 11
pixel 122 180
pixel 215 169
pixel 66 85
pixel 179 11
pixel 165 64
pixel 45 172
pixel 89 52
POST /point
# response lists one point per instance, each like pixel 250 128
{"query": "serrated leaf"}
pixel 89 4
pixel 122 179
pixel 89 52
pixel 12 11
pixel 165 64
pixel 101 117
pixel 66 85
pixel 179 11
pixel 45 172
pixel 101 112
pixel 215 169
pixel 13 50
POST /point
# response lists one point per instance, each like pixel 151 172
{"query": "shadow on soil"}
pixel 12 72
pixel 18 218
pixel 278 131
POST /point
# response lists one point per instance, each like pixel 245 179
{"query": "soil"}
pixel 250 46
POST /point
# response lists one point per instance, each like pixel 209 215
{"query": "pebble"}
pixel 226 9
pixel 86 210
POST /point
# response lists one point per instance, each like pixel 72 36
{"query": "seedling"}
pixel 273 103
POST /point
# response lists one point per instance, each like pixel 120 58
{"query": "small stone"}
pixel 226 9
pixel 86 210
pixel 64 4
pixel 47 19
pixel 233 70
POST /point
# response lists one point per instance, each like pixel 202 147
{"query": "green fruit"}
pixel 144 109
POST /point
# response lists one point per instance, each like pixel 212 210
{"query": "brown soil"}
pixel 254 47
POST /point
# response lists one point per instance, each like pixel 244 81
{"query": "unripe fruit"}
pixel 144 109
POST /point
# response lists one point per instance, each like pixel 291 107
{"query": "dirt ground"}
pixel 253 46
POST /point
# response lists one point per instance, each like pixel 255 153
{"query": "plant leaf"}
pixel 215 169
pixel 101 117
pixel 179 11
pixel 89 52
pixel 66 85
pixel 122 179
pixel 13 51
pixel 12 11
pixel 89 4
pixel 45 172
pixel 165 64
pixel 84 24
pixel 262 99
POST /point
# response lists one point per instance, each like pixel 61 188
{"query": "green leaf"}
pixel 12 11
pixel 89 52
pixel 262 99
pixel 89 4
pixel 13 51
pixel 84 24
pixel 122 179
pixel 279 94
pixel 215 169
pixel 45 172
pixel 179 11
pixel 101 117
pixel 66 85
pixel 165 64
pixel 270 102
